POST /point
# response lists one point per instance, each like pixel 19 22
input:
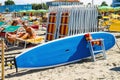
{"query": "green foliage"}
pixel 9 2
pixel 35 6
pixel 44 6
pixel 39 6
pixel 104 3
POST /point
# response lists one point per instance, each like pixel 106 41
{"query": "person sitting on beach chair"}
pixel 29 37
pixel 29 32
pixel 11 36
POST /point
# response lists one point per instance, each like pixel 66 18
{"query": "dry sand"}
pixel 108 69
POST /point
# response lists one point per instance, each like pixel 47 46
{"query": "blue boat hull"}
pixel 61 51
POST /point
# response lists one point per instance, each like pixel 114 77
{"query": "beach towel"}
pixel 11 28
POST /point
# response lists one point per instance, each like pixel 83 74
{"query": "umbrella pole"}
pixel 2 60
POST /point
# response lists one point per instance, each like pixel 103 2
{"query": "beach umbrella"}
pixel 116 8
pixel 105 8
pixel 42 10
pixel 22 11
pixel 30 10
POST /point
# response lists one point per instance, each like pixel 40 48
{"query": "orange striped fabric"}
pixel 50 37
pixel 52 19
pixel 51 28
pixel 63 30
pixel 97 42
pixel 64 20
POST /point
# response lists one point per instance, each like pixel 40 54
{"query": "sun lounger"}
pixel 1 23
pixel 11 28
pixel 37 40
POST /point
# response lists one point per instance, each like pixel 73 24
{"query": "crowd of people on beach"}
pixel 25 25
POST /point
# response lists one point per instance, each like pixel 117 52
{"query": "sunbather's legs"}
pixel 11 38
pixel 24 36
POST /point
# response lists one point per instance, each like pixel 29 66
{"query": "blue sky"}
pixel 98 2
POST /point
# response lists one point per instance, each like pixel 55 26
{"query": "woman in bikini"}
pixel 11 36
pixel 30 33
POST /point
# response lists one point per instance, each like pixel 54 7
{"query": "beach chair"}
pixel 1 23
pixel 2 34
pixel 95 42
pixel 51 27
pixel 10 29
pixel 64 25
pixel 35 41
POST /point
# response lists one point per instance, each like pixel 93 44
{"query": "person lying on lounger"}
pixel 29 32
pixel 11 36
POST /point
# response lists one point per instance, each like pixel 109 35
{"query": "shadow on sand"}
pixel 115 69
pixel 28 71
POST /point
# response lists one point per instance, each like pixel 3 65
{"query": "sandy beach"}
pixel 57 19
pixel 85 69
